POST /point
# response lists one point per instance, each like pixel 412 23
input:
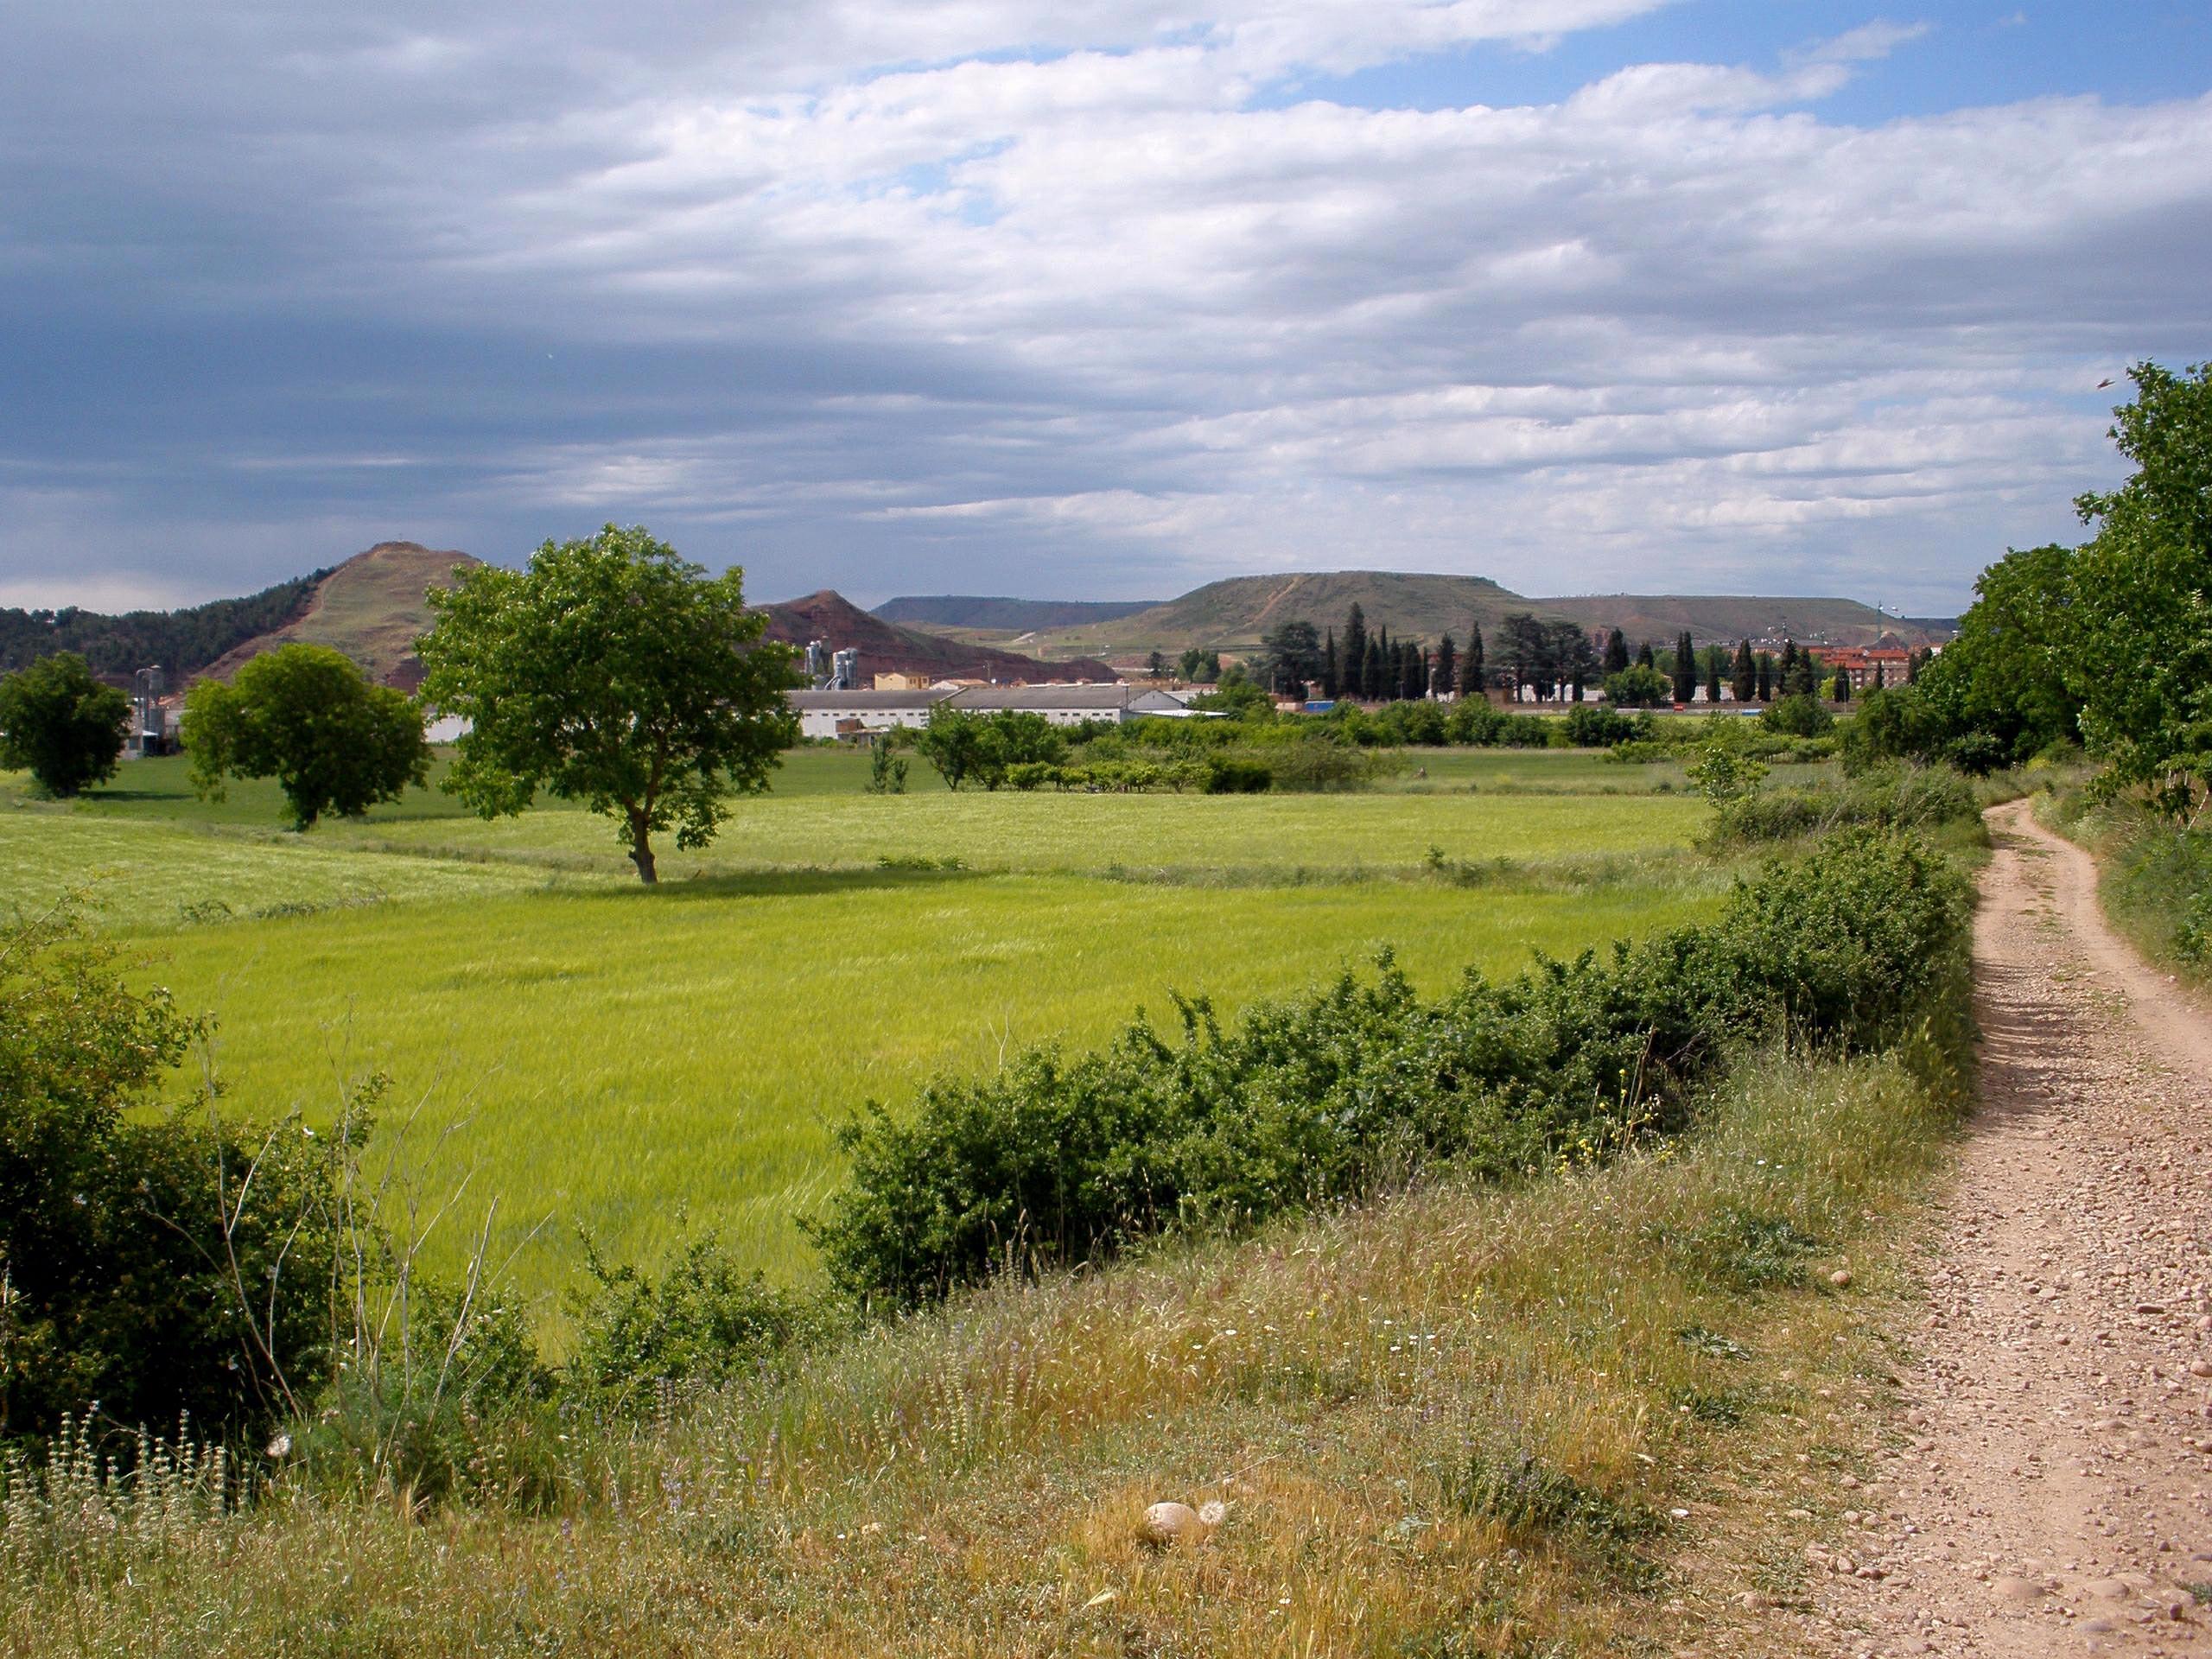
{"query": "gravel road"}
pixel 2048 1493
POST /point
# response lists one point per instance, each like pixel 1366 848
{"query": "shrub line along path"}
pixel 2046 1489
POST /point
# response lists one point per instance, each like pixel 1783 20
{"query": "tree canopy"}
pixel 62 725
pixel 307 717
pixel 614 672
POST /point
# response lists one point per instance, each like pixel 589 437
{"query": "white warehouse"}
pixel 854 714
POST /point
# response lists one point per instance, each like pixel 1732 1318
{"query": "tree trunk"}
pixel 641 850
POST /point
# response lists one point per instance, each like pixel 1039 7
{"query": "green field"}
pixel 597 1055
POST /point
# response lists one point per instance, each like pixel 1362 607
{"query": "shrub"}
pixel 1226 775
pixel 161 1264
pixel 703 1323
pixel 1798 715
pixel 1054 1160
pixel 2192 937
pixel 1897 798
pixel 1592 726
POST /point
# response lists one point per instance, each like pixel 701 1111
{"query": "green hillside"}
pixel 1720 617
pixel 1232 615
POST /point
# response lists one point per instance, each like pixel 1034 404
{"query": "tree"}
pixel 1471 675
pixel 1236 693
pixel 1354 670
pixel 1839 687
pixel 1684 668
pixel 1199 667
pixel 613 672
pixel 60 725
pixel 1572 659
pixel 1446 680
pixel 1291 657
pixel 1645 657
pixel 2139 633
pixel 1332 673
pixel 1156 666
pixel 1798 715
pixel 1716 663
pixel 307 716
pixel 1616 651
pixel 1525 649
pixel 1639 686
pixel 1745 678
pixel 1766 676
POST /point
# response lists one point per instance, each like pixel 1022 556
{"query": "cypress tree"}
pixel 1766 676
pixel 1329 666
pixel 1616 651
pixel 1786 680
pixel 1370 669
pixel 1744 680
pixel 1355 658
pixel 1840 687
pixel 1644 658
pixel 1471 672
pixel 1881 680
pixel 1446 677
pixel 1684 668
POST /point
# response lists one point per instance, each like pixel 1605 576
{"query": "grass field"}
pixel 634 1062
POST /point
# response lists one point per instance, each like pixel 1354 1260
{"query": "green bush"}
pixel 1798 715
pixel 1226 775
pixel 702 1324
pixel 2192 937
pixel 1893 796
pixel 1055 1159
pixel 1594 725
pixel 159 1264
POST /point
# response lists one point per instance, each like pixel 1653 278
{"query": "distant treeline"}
pixel 180 642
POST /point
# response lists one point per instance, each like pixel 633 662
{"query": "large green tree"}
pixel 60 725
pixel 2006 673
pixel 613 672
pixel 2138 630
pixel 307 717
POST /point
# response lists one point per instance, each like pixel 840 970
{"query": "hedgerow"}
pixel 1056 1161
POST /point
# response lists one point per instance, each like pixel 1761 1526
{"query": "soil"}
pixel 2047 1490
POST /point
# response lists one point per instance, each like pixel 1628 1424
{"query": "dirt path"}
pixel 2052 1495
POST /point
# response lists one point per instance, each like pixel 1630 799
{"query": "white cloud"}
pixel 878 283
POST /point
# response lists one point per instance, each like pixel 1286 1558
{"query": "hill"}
pixel 1232 615
pixel 887 648
pixel 371 608
pixel 1719 618
pixel 950 611
pixel 180 642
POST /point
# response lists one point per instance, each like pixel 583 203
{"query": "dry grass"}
pixel 1460 1422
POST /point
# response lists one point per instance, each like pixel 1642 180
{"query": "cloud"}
pixel 1079 302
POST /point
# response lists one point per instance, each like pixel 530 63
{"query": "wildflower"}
pixel 280 1446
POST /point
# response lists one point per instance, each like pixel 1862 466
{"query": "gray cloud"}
pixel 900 297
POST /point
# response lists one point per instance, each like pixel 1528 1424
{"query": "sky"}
pixel 1104 299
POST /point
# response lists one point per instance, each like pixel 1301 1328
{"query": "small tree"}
pixel 307 717
pixel 1446 680
pixel 952 741
pixel 1638 687
pixel 887 771
pixel 613 672
pixel 1616 651
pixel 1725 771
pixel 1156 666
pixel 1684 668
pixel 62 725
pixel 1472 677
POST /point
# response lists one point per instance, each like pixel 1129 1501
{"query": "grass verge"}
pixel 1460 1422
pixel 2154 880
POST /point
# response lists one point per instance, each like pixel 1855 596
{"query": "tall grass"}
pixel 1460 1422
